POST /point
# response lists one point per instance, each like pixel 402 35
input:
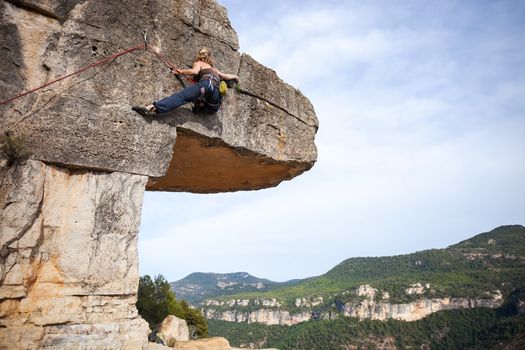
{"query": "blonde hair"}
pixel 204 55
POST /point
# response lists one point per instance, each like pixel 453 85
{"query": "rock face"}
pixel 70 216
pixel 69 258
pixel 369 306
pixel 266 316
pixel 364 310
pixel 263 134
pixel 412 311
pixel 214 343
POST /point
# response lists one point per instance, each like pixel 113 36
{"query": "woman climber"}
pixel 207 88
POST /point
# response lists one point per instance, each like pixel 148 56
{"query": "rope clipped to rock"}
pixel 102 61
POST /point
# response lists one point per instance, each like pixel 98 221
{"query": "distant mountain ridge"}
pixel 201 285
pixel 477 285
pixel 480 271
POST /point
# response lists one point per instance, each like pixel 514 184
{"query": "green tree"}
pixel 196 321
pixel 156 300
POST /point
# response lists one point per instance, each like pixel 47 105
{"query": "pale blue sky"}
pixel 421 142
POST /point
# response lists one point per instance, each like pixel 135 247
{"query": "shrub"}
pixel 13 149
pixel 156 300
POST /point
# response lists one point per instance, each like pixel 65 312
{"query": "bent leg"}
pixel 186 95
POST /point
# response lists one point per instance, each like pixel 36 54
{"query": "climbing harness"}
pixel 102 61
pixel 213 81
pixel 203 105
pixel 200 105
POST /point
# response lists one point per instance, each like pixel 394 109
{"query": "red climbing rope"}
pixel 162 58
pixel 107 59
pixel 169 65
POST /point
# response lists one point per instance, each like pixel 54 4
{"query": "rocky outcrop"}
pixel 243 302
pixel 69 258
pixel 371 304
pixel 266 316
pixel 367 291
pixel 70 216
pixel 308 302
pixel 262 136
pixel 223 285
pixel 363 310
pixel 417 288
pixel 412 311
pixel 172 329
pixel 215 343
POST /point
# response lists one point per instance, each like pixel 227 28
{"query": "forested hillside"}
pixel 474 268
pixel 478 328
pixel 345 307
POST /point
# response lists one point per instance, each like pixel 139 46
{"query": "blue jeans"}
pixel 189 94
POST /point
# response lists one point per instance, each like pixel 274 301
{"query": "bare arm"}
pixel 197 66
pixel 191 71
pixel 226 76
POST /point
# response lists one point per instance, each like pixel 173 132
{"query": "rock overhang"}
pixel 264 133
pixel 69 237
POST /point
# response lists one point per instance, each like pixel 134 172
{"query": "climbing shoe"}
pixel 143 111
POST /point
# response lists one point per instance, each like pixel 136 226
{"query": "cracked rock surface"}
pixel 69 257
pixel 264 133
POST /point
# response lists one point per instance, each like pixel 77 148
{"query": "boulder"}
pixel 157 346
pixel 214 343
pixel 172 329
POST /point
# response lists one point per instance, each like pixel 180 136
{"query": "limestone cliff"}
pixel 69 258
pixel 365 310
pixel 273 312
pixel 69 217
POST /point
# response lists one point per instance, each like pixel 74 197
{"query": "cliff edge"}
pixel 70 214
pixel 263 134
